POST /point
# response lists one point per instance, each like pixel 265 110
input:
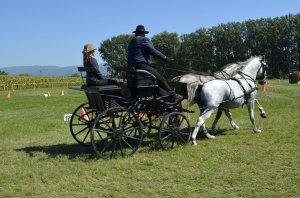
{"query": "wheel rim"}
pixel 81 122
pixel 116 133
pixel 174 130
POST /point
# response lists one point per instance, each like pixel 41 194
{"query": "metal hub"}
pixel 117 134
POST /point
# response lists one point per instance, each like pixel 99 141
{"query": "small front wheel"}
pixel 174 130
pixel 81 122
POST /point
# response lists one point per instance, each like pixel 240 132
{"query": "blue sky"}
pixel 53 32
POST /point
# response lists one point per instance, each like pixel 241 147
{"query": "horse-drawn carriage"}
pixel 117 118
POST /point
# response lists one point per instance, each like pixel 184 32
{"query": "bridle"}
pixel 247 77
pixel 263 66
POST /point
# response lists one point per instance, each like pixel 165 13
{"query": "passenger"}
pixel 139 50
pixel 93 78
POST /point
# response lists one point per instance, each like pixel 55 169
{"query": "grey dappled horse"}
pixel 232 93
pixel 196 81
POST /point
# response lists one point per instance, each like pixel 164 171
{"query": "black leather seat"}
pixel 142 83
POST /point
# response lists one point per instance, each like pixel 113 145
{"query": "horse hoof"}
pixel 263 115
pixel 194 143
pixel 210 136
pixel 236 127
pixel 257 131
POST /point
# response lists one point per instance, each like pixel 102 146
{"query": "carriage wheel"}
pixel 81 122
pixel 174 130
pixel 116 133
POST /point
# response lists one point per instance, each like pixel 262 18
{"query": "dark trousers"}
pixel 164 88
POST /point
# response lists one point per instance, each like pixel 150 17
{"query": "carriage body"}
pixel 117 118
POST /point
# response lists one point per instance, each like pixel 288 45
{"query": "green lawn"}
pixel 39 157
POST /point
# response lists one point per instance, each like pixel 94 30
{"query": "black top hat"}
pixel 140 28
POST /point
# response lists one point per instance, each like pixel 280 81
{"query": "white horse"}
pixel 196 81
pixel 232 93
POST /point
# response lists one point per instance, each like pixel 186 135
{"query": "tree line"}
pixel 207 50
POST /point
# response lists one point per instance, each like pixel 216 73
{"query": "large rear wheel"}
pixel 115 133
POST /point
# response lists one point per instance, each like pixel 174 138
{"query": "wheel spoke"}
pixel 181 138
pixel 170 134
pixel 113 149
pixel 181 121
pixel 103 122
pixel 81 119
pixel 106 146
pixel 82 124
pixel 128 144
pixel 178 144
pixel 121 148
pixel 81 131
pixel 130 137
pixel 99 134
pixel 103 131
pixel 86 136
pixel 183 133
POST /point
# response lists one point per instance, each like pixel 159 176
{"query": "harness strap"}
pixel 239 82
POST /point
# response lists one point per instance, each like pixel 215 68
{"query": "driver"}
pixel 139 50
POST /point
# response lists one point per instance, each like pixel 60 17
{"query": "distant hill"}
pixel 45 70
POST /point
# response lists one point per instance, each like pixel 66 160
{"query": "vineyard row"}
pixel 4 87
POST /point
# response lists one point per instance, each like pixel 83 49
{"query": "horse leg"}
pixel 201 120
pixel 229 116
pixel 250 106
pixel 263 114
pixel 219 113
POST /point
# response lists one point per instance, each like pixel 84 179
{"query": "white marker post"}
pixel 67 117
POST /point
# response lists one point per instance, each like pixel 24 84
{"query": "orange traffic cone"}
pixel 141 115
pixel 84 115
pixel 8 95
pixel 263 89
pixel 62 92
pixel 49 94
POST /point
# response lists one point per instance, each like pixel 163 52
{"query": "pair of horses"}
pixel 230 88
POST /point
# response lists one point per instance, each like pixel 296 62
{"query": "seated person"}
pixel 93 78
pixel 139 50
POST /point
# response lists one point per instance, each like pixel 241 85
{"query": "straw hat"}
pixel 88 48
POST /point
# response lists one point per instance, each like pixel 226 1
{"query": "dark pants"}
pixel 164 88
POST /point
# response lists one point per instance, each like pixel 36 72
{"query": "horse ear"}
pixel 262 58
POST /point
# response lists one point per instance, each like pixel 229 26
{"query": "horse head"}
pixel 262 71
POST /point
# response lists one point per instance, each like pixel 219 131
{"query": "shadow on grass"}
pixel 72 151
pixel 75 151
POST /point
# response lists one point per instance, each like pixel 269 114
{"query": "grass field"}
pixel 39 158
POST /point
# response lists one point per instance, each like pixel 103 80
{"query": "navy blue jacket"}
pixel 139 50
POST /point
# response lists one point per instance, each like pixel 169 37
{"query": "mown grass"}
pixel 39 158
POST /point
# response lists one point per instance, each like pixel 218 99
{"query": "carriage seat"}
pixel 101 98
pixel 142 83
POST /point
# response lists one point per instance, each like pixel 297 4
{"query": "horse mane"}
pixel 232 68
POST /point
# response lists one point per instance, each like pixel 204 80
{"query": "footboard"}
pixel 180 88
